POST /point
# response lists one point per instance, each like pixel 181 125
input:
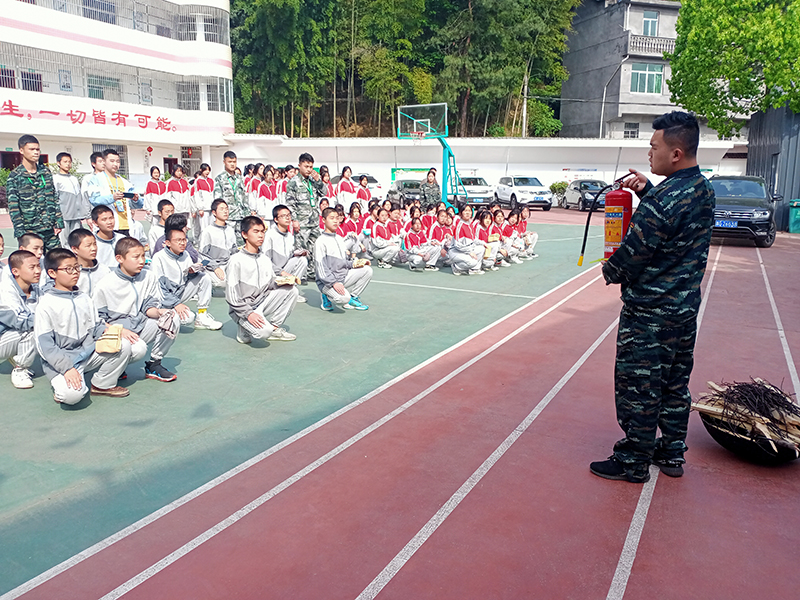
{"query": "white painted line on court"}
pixel 143 522
pixel 787 353
pixel 402 557
pixel 569 239
pixel 623 571
pixel 449 289
pixel 171 558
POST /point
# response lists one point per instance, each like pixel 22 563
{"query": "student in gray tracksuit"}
pixel 218 243
pixel 74 205
pixel 66 327
pixel 84 245
pixel 279 245
pixel 338 280
pixel 130 296
pixel 19 293
pixel 257 305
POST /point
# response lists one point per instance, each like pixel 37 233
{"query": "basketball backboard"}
pixel 422 120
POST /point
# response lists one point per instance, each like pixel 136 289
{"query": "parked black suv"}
pixel 744 209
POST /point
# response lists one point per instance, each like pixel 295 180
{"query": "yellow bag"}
pixel 495 237
pixel 111 340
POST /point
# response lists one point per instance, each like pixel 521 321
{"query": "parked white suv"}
pixel 523 190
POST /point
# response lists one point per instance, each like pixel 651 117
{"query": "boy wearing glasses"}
pixel 66 327
pixel 279 246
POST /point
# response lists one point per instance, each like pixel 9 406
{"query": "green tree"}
pixel 733 58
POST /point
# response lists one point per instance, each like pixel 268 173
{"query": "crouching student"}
pixel 165 210
pixel 66 327
pixel 257 305
pixel 465 254
pixel 218 243
pixel 529 238
pixel 348 237
pixel 484 226
pixel 130 296
pixel 107 238
pixel 179 278
pixel 421 254
pixel 19 294
pixel 384 246
pixel 340 281
pixel 279 247
pixel 84 246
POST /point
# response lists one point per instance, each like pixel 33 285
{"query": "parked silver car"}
pixel 582 192
pixel 523 190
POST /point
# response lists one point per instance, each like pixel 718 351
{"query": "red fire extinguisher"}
pixel 619 206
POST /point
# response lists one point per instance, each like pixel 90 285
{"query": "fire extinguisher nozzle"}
pixel 580 261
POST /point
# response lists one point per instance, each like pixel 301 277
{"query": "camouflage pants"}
pixel 651 380
pixel 304 239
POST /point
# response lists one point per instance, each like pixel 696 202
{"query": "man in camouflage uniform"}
pixel 32 200
pixel 229 186
pixel 660 266
pixel 302 197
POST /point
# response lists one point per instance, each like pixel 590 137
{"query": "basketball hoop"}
pixel 417 137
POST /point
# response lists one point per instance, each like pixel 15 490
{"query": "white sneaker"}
pixel 21 378
pixel 242 336
pixel 301 299
pixel 476 272
pixel 516 260
pixel 503 263
pixel 384 265
pixel 206 321
pixel 279 334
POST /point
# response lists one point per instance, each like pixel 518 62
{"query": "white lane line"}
pixel 143 522
pixel 449 289
pixel 569 239
pixel 623 571
pixel 397 563
pixel 165 562
pixel 787 353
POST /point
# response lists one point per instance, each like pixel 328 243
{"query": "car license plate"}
pixel 726 224
pixel 538 198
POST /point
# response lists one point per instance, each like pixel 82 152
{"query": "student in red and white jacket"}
pixel 154 193
pixel 330 192
pixel 395 224
pixel 346 194
pixel 528 237
pixel 414 212
pixel 362 193
pixel 491 241
pixel 440 233
pixel 346 235
pixel 267 199
pixel 354 222
pixel 421 254
pixel 323 204
pixel 368 224
pixel 178 193
pixel 465 253
pixel 203 196
pixel 511 236
pixel 384 249
pixel 252 188
pixel 504 253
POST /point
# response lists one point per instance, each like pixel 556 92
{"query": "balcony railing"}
pixel 645 45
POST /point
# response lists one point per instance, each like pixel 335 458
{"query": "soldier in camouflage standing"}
pixel 302 197
pixel 229 186
pixel 32 200
pixel 660 266
pixel 429 191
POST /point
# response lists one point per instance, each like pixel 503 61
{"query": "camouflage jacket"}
pixel 302 198
pixel 32 201
pixel 662 258
pixel 231 189
pixel 430 193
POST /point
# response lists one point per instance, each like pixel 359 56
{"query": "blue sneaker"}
pixel 357 304
pixel 326 303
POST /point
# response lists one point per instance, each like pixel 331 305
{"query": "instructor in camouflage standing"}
pixel 659 266
pixel 229 186
pixel 32 201
pixel 302 197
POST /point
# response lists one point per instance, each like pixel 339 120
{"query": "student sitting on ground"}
pixel 511 230
pixel 180 278
pixel 395 224
pixel 348 237
pixel 218 243
pixel 490 240
pixel 340 281
pixel 529 238
pixel 66 328
pixel 384 249
pixel 279 247
pixel 164 210
pixel 177 221
pixel 19 294
pixel 34 244
pixel 421 255
pixel 107 238
pixel 84 245
pixel 257 306
pixel 496 230
pixel 509 236
pixel 130 296
pixel 464 253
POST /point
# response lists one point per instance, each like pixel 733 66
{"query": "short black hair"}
pixel 249 222
pixel 154 168
pixel 61 155
pixel 395 206
pixel 163 203
pixel 168 233
pixel 278 208
pixel 216 203
pixel 229 154
pixel 127 244
pixel 109 152
pixel 680 129
pixel 26 238
pixel 327 211
pixel 175 170
pixel 95 155
pixel 175 221
pixel 77 236
pixel 16 258
pixel 25 140
pixel 204 166
pixel 362 178
pixel 54 258
pixel 100 209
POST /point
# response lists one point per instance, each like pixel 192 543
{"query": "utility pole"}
pixel 525 106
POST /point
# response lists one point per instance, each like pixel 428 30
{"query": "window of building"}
pixel 650 26
pixel 31 82
pixel 187 28
pixel 631 131
pixel 163 31
pixel 8 78
pixel 123 155
pixel 212 29
pixel 145 92
pixel 646 78
pixel 188 95
pixel 65 80
pixel 103 88
pixel 100 10
pixel 212 93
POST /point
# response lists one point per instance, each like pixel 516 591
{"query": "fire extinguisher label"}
pixel 613 227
